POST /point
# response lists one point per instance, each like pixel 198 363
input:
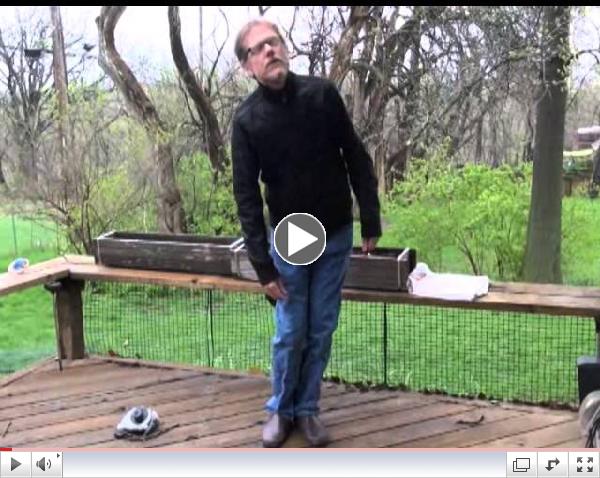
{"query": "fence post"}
pixel 68 316
pixel 597 322
pixel 385 345
pixel 211 338
pixel 14 231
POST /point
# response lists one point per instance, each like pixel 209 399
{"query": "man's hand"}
pixel 369 244
pixel 275 290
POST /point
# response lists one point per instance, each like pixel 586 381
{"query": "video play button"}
pixel 300 239
pixel 15 464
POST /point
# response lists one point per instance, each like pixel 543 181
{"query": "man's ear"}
pixel 247 70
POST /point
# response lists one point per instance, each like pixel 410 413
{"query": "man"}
pixel 294 134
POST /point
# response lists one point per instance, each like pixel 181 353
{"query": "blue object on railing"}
pixel 18 265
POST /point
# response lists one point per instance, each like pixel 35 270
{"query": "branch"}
pixel 219 53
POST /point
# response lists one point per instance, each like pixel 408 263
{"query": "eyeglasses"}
pixel 273 42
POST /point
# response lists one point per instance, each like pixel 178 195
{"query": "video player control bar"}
pixel 342 463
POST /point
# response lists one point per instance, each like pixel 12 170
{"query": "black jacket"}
pixel 301 142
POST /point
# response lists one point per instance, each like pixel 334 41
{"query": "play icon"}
pixel 300 239
pixel 15 464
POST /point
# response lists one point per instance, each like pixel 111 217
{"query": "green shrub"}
pixel 209 205
pixel 580 255
pixel 478 210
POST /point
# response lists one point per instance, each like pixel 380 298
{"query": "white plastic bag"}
pixel 425 283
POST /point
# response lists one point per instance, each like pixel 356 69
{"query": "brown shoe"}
pixel 313 430
pixel 276 431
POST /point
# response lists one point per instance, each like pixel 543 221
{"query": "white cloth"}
pixel 425 283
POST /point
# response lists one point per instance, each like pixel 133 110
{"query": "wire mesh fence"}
pixel 22 235
pixel 495 355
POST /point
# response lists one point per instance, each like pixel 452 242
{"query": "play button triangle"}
pixel 298 238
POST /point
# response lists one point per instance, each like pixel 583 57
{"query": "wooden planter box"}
pixel 240 264
pixel 385 269
pixel 177 253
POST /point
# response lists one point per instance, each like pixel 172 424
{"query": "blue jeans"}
pixel 305 323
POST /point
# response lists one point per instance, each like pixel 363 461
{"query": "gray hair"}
pixel 239 48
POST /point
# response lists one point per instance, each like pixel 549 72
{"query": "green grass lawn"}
pixel 27 326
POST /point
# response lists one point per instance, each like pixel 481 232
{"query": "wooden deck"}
pixel 80 407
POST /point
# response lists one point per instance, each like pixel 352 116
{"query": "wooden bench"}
pixel 73 271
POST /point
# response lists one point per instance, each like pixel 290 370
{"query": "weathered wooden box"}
pixel 177 253
pixel 385 269
pixel 240 264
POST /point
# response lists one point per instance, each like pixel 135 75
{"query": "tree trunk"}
pixel 542 256
pixel 59 67
pixel 342 55
pixel 378 148
pixel 527 154
pixel 413 93
pixel 2 177
pixel 170 208
pixel 478 159
pixel 494 154
pixel 216 147
pixel 28 154
pixel 358 100
pixel 171 216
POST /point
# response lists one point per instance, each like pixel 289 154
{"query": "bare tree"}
pixel 171 216
pixel 26 77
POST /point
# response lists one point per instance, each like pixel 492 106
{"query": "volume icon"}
pixel 43 463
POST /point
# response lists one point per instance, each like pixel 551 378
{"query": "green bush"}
pixel 478 210
pixel 580 255
pixel 113 202
pixel 209 204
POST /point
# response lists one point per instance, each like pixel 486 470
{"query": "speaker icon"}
pixel 43 463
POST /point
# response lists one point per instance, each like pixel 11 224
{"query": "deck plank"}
pixel 126 382
pixel 544 437
pixel 510 425
pixel 180 383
